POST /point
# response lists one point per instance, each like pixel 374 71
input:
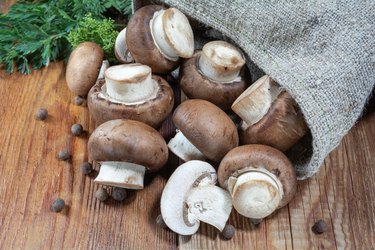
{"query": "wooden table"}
pixel 342 194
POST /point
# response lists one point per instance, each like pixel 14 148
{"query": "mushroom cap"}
pixel 128 141
pixel 152 112
pixel 141 44
pixel 260 156
pixel 207 127
pixel 83 67
pixel 173 198
pixel 282 126
pixel 197 86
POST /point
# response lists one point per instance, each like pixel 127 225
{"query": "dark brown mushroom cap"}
pixel 282 127
pixel 260 156
pixel 197 86
pixel 141 44
pixel 128 141
pixel 207 127
pixel 152 112
pixel 83 67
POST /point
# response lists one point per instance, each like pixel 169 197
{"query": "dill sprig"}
pixel 34 33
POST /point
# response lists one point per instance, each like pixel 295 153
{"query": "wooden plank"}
pixel 32 177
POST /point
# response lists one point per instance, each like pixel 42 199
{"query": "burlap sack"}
pixel 322 52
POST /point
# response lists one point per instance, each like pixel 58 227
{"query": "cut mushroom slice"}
pixel 122 52
pixel 190 196
pixel 158 37
pixel 216 74
pixel 209 204
pixel 129 91
pixel 204 129
pixel 270 116
pixel 125 150
pixel 121 174
pixel 260 179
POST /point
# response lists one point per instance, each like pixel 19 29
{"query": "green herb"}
pixel 101 32
pixel 34 33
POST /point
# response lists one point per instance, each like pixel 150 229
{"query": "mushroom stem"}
pixel 172 34
pixel 253 104
pixel 256 193
pixel 103 68
pixel 122 52
pixel 130 83
pixel 121 174
pixel 221 61
pixel 209 204
pixel 184 149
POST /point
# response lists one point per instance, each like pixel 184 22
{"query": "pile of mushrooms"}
pixel 128 101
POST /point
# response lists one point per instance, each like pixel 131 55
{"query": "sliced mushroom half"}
pixel 260 179
pixel 125 150
pixel 190 196
pixel 270 116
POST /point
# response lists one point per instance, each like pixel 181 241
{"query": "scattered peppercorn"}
pixel 119 194
pixel 160 221
pixel 319 227
pixel 41 114
pixel 58 205
pixel 255 221
pixel 228 232
pixel 86 168
pixel 64 155
pixel 101 194
pixel 76 129
pixel 78 100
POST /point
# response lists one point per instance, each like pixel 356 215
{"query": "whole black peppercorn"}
pixel 319 227
pixel 101 194
pixel 255 221
pixel 58 205
pixel 160 221
pixel 41 114
pixel 119 194
pixel 86 168
pixel 78 100
pixel 228 232
pixel 64 155
pixel 76 129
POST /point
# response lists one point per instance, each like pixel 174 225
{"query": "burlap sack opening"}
pixel 322 52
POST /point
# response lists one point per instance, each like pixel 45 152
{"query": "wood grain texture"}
pixel 31 178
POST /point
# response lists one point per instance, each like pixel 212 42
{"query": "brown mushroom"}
pixel 270 116
pixel 158 37
pixel 204 131
pixel 216 74
pixel 125 150
pixel 83 67
pixel 259 178
pixel 129 91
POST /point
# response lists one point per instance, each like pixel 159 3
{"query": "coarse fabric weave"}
pixel 322 52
